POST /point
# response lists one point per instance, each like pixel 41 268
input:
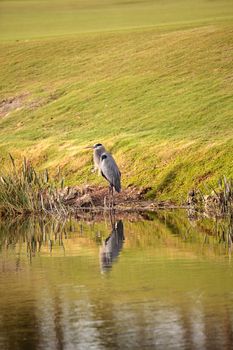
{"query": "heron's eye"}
pixel 103 156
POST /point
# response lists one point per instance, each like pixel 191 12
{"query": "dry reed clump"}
pixel 23 190
pixel 219 202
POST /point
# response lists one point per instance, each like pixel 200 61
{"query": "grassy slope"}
pixel 23 19
pixel 160 98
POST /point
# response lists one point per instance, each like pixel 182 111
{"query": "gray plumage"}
pixel 98 150
pixel 107 167
pixel 110 171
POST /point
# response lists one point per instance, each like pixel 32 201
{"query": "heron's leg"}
pixel 112 198
pixel 109 196
pixel 105 202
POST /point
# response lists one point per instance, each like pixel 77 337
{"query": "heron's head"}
pixel 96 146
pixel 98 149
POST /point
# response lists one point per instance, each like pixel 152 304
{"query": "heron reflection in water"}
pixel 112 246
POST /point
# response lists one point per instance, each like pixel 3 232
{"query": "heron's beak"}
pixel 88 147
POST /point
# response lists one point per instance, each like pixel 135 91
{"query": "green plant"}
pixel 23 190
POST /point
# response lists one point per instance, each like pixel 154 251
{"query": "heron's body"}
pixel 110 171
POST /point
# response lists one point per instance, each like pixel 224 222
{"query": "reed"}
pixel 23 190
pixel 218 201
pixel 225 194
pixel 221 198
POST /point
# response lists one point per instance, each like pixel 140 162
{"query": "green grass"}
pixel 158 91
pixel 35 18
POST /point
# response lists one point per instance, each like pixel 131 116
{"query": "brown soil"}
pixel 10 104
pixel 130 199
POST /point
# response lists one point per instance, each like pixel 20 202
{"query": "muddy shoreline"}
pixel 132 200
pixel 97 199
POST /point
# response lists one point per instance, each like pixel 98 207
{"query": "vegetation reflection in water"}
pixel 158 282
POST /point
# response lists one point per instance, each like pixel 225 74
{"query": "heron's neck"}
pixel 99 151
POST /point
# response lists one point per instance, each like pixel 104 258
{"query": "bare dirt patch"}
pixel 10 104
pixel 92 197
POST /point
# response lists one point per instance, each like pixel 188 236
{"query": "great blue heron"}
pixel 105 163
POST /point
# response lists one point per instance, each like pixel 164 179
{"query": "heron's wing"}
pixel 110 171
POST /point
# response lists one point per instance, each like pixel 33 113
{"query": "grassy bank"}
pixel 160 98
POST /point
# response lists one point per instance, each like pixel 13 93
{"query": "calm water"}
pixel 162 282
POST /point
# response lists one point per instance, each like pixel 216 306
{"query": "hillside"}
pixel 159 97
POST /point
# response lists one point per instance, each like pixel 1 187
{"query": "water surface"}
pixel 158 282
